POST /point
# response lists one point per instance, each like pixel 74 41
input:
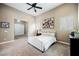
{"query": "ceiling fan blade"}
pixel 34 4
pixel 29 8
pixel 38 7
pixel 29 4
pixel 34 9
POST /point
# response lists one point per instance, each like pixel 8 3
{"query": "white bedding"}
pixel 41 42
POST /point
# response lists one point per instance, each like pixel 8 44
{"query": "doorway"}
pixel 20 29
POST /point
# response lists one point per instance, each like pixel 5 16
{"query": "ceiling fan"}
pixel 33 6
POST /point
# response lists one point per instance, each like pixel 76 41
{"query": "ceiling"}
pixel 23 7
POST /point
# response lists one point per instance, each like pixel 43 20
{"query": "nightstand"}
pixel 74 46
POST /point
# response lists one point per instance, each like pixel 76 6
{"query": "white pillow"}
pixel 49 34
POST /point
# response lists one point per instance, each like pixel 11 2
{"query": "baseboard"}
pixel 63 42
pixel 7 42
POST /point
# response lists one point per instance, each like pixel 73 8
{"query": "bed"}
pixel 42 42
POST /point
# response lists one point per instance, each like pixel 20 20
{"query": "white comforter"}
pixel 41 42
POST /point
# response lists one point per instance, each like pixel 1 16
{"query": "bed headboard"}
pixel 45 32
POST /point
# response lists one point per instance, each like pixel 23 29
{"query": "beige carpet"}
pixel 20 47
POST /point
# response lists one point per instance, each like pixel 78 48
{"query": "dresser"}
pixel 74 46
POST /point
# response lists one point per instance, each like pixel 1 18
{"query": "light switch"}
pixel 5 31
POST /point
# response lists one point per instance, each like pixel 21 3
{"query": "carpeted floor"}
pixel 20 47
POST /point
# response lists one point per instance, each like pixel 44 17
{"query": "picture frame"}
pixel 48 23
pixel 4 24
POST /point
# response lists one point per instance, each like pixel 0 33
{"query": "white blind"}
pixel 19 29
pixel 66 23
